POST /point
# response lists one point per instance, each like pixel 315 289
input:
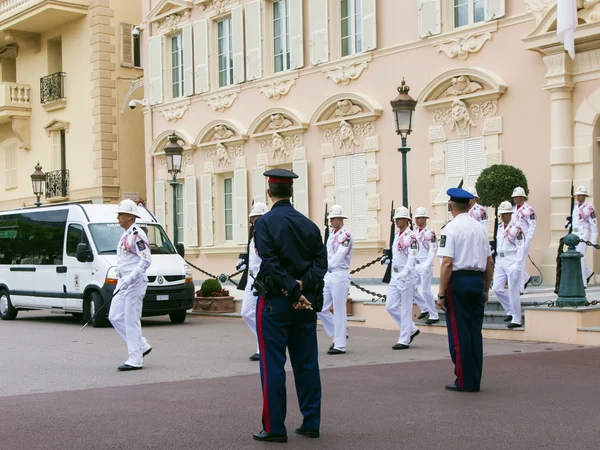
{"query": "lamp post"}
pixel 173 151
pixel 38 181
pixel 403 107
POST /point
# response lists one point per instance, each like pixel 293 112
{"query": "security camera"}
pixel 135 32
pixel 132 104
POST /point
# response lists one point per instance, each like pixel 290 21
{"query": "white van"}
pixel 63 258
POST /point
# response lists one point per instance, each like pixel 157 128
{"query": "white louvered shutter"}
pixel 188 61
pixel 201 79
pixel 358 178
pixel 190 212
pixel 369 25
pixel 343 183
pixel 237 25
pixel 494 9
pixel 474 160
pixel 240 206
pixel 10 153
pixel 156 69
pixel 206 205
pixel 300 168
pixel 259 185
pixel 253 42
pixel 319 32
pixel 126 45
pixel 455 168
pixel 296 40
pixel 430 18
pixel 159 202
pixel 56 150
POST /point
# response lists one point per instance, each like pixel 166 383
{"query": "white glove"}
pixel 240 265
pixel 125 282
pixel 385 260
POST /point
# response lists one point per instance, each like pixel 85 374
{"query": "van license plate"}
pixel 162 297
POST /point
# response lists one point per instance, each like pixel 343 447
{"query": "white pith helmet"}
pixel 582 190
pixel 472 191
pixel 335 212
pixel 258 209
pixel 421 212
pixel 128 207
pixel 519 192
pixel 505 208
pixel 402 213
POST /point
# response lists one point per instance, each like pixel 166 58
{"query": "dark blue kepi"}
pixel 458 195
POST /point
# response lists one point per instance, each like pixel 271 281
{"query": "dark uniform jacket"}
pixel 291 249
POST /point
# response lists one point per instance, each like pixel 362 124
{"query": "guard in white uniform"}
pixel 508 265
pixel 477 211
pixel 133 259
pixel 403 283
pixel 525 217
pixel 337 281
pixel 427 242
pixel 585 226
pixel 249 299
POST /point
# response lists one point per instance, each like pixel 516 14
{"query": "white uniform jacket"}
pixel 339 250
pixel 510 242
pixel 479 213
pixel 404 254
pixel 427 242
pixel 585 224
pixel 254 261
pixel 526 219
pixel 133 254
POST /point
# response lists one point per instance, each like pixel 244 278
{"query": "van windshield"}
pixel 106 237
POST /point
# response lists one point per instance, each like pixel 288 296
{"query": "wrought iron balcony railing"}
pixel 52 87
pixel 57 183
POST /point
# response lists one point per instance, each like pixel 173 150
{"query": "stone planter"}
pixel 213 304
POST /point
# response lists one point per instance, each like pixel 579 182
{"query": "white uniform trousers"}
pixel 125 314
pixel 399 302
pixel 585 270
pixel 508 269
pixel 424 299
pixel 523 273
pixel 335 292
pixel 249 310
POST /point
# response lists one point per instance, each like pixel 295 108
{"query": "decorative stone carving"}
pixel 346 108
pixel 174 113
pixel 461 118
pixel 464 45
pixel 240 162
pixel 174 21
pixel 437 133
pixel 222 155
pixel 222 133
pixel 538 8
pixel 371 144
pixel 299 154
pixel 442 116
pixel 262 160
pixel 372 173
pixel 347 138
pixel 373 202
pixel 162 162
pixel 364 129
pixel 208 167
pixel 462 85
pixel 294 141
pixel 221 102
pixel 436 166
pixel 278 148
pixel 220 6
pixel 278 122
pixel 346 73
pixel 328 178
pixel 277 89
pixel 24 39
pixel 327 150
pixel 187 158
pixel 484 109
pixel 591 11
pixel 492 158
pixel 21 127
pixel 555 64
pixel 492 125
pixel 373 232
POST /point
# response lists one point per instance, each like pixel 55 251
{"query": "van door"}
pixel 79 274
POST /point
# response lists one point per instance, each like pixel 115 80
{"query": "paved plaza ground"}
pixel 60 390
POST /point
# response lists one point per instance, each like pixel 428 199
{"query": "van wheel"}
pixel 177 317
pixel 92 304
pixel 7 310
pixel 77 316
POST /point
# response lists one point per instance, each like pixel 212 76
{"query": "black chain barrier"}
pixel 375 295
pixel 561 245
pixel 216 277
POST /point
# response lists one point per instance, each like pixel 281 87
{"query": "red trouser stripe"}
pixel 263 360
pixel 459 374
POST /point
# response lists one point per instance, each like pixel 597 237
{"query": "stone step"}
pixel 590 329
pixel 486 326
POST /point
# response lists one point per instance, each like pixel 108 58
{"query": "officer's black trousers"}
pixel 279 326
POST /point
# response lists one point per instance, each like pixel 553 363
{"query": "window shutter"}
pixel 343 168
pixel 188 62
pixel 430 18
pixel 253 42
pixel 10 160
pixel 300 168
pixel 369 25
pixel 206 209
pixel 56 160
pixel 296 42
pixel 237 25
pixel 358 212
pixel 240 206
pixel 319 32
pixel 455 168
pixel 190 212
pixel 159 202
pixel 475 159
pixel 259 185
pixel 156 69
pixel 494 9
pixel 201 57
pixel 126 45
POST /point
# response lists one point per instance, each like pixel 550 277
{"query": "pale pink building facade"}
pixel 306 85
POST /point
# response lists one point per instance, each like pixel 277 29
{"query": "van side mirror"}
pixel 84 254
pixel 181 250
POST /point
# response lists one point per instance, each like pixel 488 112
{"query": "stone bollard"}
pixel 571 291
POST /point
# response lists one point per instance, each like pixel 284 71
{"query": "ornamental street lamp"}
pixel 403 107
pixel 38 181
pixel 174 151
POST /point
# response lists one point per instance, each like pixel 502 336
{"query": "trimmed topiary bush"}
pixel 209 287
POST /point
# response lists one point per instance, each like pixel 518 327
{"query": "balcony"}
pixel 52 91
pixel 57 184
pixel 39 16
pixel 15 101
